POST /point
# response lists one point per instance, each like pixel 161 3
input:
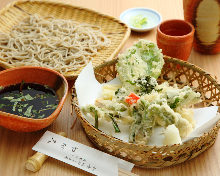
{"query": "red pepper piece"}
pixel 132 98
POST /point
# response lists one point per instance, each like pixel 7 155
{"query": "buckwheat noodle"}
pixel 62 45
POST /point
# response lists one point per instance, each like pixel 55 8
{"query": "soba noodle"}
pixel 62 45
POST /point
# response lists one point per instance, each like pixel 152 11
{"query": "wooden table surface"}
pixel 15 147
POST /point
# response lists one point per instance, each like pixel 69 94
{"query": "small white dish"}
pixel 153 18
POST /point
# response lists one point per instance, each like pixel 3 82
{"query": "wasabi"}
pixel 138 21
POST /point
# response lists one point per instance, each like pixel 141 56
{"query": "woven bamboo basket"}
pixel 113 28
pixel 175 72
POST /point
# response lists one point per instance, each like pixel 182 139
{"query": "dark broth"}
pixel 28 100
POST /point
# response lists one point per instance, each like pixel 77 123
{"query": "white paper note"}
pixel 80 156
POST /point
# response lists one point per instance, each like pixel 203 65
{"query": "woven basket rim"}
pixel 58 3
pixel 175 60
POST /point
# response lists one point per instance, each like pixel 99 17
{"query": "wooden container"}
pixel 205 16
pixel 174 71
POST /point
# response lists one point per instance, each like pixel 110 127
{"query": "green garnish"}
pixel 92 109
pixel 96 120
pixel 174 104
pixel 52 106
pixel 138 21
pixel 41 116
pixel 28 111
pixel 115 125
pixel 14 106
pixel 146 85
pixel 132 83
pixel 117 91
pixel 25 105
pixel 159 90
pixel 28 97
pixel 19 110
pixel 8 98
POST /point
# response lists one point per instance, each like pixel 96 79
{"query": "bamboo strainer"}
pixel 175 72
pixel 113 28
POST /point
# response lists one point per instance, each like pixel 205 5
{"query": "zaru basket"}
pixel 111 27
pixel 175 72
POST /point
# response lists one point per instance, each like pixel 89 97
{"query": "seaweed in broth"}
pixel 28 100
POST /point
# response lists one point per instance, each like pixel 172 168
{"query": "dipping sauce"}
pixel 28 100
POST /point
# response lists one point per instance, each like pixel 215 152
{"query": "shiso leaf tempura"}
pixel 141 102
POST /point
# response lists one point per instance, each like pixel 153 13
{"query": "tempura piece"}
pixel 108 91
pixel 110 105
pixel 165 116
pixel 141 128
pixel 188 114
pixel 178 98
pixel 185 128
pixel 143 85
pixel 171 135
pixel 142 59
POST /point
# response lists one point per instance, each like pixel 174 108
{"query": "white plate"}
pixel 153 18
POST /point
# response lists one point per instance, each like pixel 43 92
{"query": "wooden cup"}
pixel 175 38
